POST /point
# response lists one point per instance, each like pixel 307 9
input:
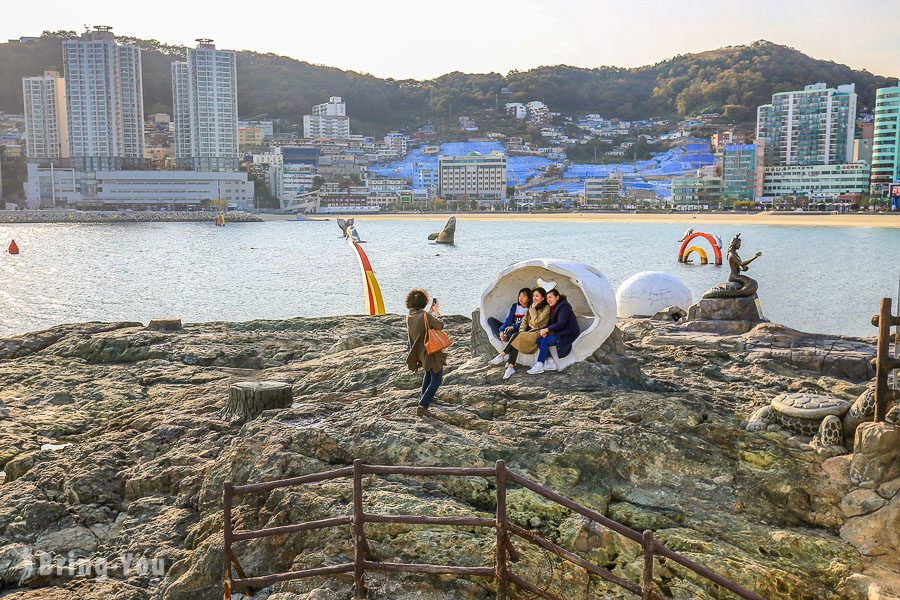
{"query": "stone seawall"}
pixel 109 216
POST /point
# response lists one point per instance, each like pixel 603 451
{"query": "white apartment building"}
pixel 516 109
pixel 204 97
pixel 537 112
pixel 46 120
pixel 397 142
pixel 145 189
pixel 606 190
pixel 812 126
pixel 328 120
pixel 104 98
pixel 818 182
pixel 476 177
pixel 388 184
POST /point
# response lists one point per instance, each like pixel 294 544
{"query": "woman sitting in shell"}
pixel 505 330
pixel 559 333
pixel 526 339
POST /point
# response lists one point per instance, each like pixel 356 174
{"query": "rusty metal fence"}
pixel 505 551
pixel 884 362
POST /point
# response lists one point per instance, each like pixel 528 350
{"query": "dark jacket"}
pixel 511 320
pixel 417 357
pixel 565 326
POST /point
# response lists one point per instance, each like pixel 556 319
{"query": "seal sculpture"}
pixel 829 421
pixel 738 285
pixel 445 235
pixel 587 290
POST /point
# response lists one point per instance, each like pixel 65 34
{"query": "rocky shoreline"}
pixel 115 443
pixel 109 216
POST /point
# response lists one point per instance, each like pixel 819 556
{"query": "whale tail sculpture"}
pixel 445 235
pixel 349 230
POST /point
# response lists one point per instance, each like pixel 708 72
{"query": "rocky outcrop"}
pixel 647 431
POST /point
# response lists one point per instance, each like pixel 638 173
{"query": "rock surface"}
pixel 648 431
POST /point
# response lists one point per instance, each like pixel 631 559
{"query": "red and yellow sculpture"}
pixel 684 254
pixel 371 289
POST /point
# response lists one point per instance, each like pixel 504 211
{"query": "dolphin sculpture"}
pixel 445 236
pixel 349 230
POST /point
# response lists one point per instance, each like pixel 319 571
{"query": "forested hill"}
pixel 732 80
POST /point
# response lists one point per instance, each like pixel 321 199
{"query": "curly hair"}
pixel 417 299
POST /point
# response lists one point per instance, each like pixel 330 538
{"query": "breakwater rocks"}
pixel 110 216
pixel 115 440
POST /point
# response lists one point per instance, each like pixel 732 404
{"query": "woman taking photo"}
pixel 417 323
pixel 537 317
pixel 560 332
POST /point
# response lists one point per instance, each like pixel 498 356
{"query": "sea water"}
pixel 816 279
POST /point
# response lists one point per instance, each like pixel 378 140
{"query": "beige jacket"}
pixel 529 330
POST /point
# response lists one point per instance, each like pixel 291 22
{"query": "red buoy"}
pixel 13 248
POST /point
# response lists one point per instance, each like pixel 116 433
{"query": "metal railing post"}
pixel 502 563
pixel 649 546
pixel 359 533
pixel 228 490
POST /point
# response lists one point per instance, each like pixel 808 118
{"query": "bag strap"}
pixel 425 316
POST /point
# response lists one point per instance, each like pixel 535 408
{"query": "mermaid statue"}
pixel 737 286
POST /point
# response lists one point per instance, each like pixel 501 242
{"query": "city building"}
pixel 267 127
pixel 697 192
pixel 817 182
pixel 813 126
pixel 739 172
pixel 397 143
pixel 46 117
pixel 516 109
pixel 328 120
pixel 48 187
pixel 477 177
pixel 886 142
pixel 204 98
pixel 537 112
pixel 250 136
pixel 605 191
pixel 104 101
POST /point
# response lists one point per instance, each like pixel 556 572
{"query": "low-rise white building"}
pixel 328 120
pixel 516 109
pixel 397 142
pixel 48 187
pixel 818 182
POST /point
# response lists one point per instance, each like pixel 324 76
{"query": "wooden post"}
pixel 502 565
pixel 227 492
pixel 884 363
pixel 647 587
pixel 359 533
pixel 248 399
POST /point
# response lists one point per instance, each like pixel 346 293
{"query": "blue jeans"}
pixel 544 344
pixel 430 384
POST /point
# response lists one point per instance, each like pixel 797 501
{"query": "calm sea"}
pixel 817 279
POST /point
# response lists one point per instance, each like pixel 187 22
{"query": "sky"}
pixel 423 39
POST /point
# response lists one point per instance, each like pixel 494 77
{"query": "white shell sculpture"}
pixel 588 291
pixel 645 294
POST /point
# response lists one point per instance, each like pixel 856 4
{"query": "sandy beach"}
pixel 764 218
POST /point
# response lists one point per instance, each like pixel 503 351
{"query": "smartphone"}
pixel 434 301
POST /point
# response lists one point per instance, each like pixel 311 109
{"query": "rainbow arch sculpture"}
pixel 686 248
pixel 372 291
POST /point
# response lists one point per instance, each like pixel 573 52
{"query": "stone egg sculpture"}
pixel 645 294
pixel 587 289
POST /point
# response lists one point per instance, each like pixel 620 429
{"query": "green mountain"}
pixel 732 80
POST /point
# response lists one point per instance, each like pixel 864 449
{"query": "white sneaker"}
pixel 509 372
pixel 551 365
pixel 537 369
pixel 498 360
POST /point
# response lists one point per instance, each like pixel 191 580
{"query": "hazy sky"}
pixel 425 38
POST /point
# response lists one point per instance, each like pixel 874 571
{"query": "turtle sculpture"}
pixel 830 421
